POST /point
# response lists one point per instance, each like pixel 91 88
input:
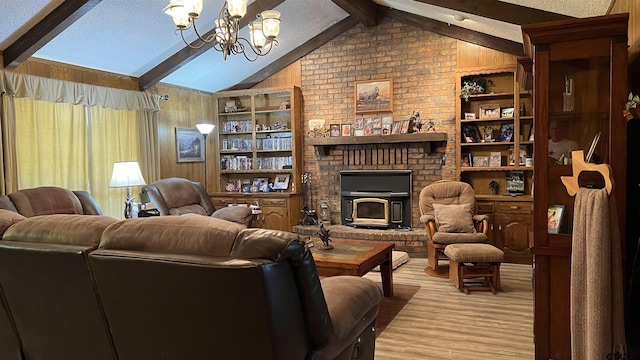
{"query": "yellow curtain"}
pixel 114 137
pixel 51 144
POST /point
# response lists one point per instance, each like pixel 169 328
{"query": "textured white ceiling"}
pixel 131 37
pixel 575 8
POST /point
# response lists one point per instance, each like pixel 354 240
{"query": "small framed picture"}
pixel 554 218
pixel 359 124
pixel 282 182
pixel 358 132
pixel 506 133
pixel 386 129
pixel 397 127
pixel 480 161
pixel 506 112
pixel 471 133
pixel 261 183
pixel 346 129
pixel 405 127
pixel 490 111
pixel 469 116
pixel 487 135
pixel 334 130
pixel 465 160
pixel 495 160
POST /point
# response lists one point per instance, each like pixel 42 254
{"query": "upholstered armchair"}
pixel 178 196
pixel 447 211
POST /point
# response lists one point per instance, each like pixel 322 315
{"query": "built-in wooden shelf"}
pixel 323 144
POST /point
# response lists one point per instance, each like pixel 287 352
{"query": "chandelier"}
pixel 262 32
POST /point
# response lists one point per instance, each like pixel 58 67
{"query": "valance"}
pixel 40 88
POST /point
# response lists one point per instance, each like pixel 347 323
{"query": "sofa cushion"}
pixel 237 214
pixel 454 238
pixel 353 304
pixel 454 218
pixel 59 229
pixel 8 218
pixel 188 235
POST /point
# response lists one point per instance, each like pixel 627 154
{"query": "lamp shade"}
pixel 126 173
pixel 205 129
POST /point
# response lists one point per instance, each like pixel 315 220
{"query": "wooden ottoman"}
pixel 474 266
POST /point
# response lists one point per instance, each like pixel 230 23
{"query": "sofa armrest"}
pixel 89 204
pixel 151 192
pixel 237 214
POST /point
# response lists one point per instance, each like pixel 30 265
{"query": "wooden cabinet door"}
pixel 513 236
pixel 275 214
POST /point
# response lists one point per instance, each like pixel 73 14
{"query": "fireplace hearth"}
pixel 376 198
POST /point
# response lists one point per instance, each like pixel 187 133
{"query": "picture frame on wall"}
pixel 374 96
pixel 189 145
pixel 334 130
pixel 554 218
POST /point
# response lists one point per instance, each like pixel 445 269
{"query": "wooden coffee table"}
pixel 355 257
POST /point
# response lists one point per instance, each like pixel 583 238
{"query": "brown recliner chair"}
pixel 201 292
pixel 49 288
pixel 178 196
pixel 447 211
pixel 47 200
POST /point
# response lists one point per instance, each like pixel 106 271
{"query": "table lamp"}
pixel 127 174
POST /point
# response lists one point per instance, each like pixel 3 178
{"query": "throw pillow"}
pixel 237 214
pixel 454 218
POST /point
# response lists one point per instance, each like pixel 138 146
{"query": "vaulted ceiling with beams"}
pixel 135 38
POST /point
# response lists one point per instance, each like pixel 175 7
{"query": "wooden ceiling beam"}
pixel 45 30
pixel 302 50
pixel 184 55
pixel 456 32
pixel 366 12
pixel 498 10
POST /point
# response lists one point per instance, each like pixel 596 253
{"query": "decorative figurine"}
pixel 323 233
pixel 415 124
pixel 431 126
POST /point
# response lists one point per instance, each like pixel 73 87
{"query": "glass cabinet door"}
pixel 577 119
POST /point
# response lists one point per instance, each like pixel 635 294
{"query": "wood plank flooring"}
pixel 441 322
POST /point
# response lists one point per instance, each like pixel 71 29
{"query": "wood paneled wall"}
pixel 58 71
pixel 184 109
pixel 287 77
pixel 471 55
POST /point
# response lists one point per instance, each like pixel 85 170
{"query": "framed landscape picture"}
pixel 189 145
pixel 374 96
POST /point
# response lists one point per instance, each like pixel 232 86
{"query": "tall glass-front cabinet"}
pixel 580 88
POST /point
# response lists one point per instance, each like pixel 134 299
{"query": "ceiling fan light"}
pixel 257 36
pixel 270 23
pixel 237 8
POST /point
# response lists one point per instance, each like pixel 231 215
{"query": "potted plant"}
pixel 633 103
pixel 474 86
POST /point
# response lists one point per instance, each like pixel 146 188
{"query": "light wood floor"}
pixel 440 322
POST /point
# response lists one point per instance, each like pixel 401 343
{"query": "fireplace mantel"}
pixel 323 144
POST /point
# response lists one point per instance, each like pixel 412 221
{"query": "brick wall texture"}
pixel 422 65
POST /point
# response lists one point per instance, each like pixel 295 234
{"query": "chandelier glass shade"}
pixel 225 36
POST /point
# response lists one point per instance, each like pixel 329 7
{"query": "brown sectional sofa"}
pixel 178 287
